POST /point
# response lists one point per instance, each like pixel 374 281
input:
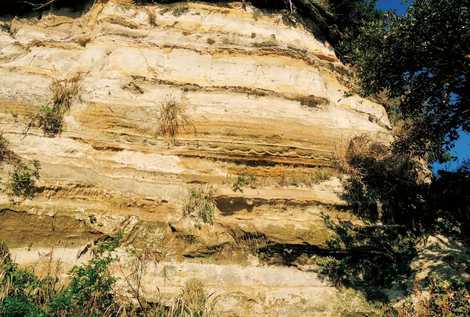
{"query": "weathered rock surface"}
pixel 263 98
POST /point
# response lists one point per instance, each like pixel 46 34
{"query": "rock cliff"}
pixel 267 112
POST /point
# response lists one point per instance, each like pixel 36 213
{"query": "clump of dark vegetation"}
pixel 399 203
pixel 23 176
pixel 377 257
pixel 23 179
pixel 50 120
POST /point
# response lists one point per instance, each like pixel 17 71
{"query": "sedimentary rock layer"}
pixel 261 98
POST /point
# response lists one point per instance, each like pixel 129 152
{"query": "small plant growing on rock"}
pixel 200 205
pixel 5 256
pixel 172 119
pixel 23 180
pixel 50 116
pixel 50 120
pixel 193 299
pixel 320 175
pixel 64 91
pixel 242 181
pixel 3 147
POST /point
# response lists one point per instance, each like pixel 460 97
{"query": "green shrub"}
pixel 50 120
pixel 23 180
pixel 200 205
pixel 20 290
pixel 19 306
pixel 89 292
pixel 375 257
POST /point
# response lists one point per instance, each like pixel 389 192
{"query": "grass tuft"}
pixel 50 116
pixel 172 119
pixel 4 144
pixel 200 205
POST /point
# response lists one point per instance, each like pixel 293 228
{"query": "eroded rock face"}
pixel 263 100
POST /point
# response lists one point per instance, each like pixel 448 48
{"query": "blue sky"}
pixel 396 5
pixel 462 146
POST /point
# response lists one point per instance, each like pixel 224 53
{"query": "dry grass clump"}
pixel 5 256
pixel 200 205
pixel 249 243
pixel 3 147
pixel 50 116
pixel 152 18
pixel 172 119
pixel 306 178
pixel 63 92
pixel 193 301
pixel 194 296
pixel 361 147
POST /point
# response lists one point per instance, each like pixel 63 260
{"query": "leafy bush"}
pixel 50 120
pixel 21 292
pixel 89 292
pixel 200 205
pixel 23 179
pixel 350 17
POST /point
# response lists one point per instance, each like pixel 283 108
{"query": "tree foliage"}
pixel 350 18
pixel 422 59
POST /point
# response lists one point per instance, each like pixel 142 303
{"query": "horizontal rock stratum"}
pixel 263 100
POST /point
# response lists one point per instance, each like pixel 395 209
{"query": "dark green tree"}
pixel 421 59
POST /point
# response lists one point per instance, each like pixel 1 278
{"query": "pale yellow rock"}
pixel 262 98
